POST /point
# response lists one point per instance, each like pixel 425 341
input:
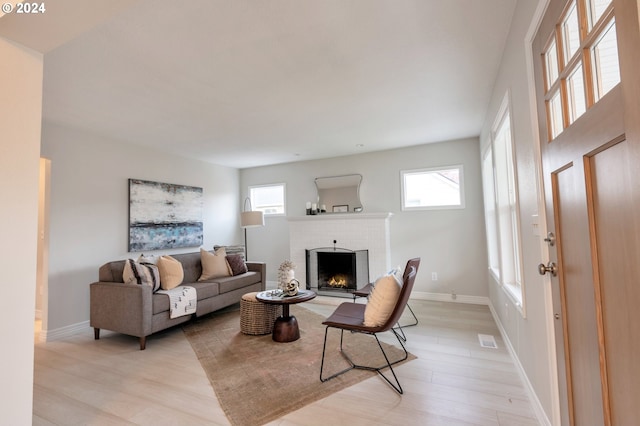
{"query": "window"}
pixel 570 33
pixel 580 63
pixel 575 94
pixel 270 199
pixel 606 70
pixel 434 188
pixel 499 179
pixel 490 215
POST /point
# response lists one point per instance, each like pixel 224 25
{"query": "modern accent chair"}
pixel 366 291
pixel 349 316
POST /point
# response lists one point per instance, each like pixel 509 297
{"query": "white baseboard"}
pixel 63 332
pixel 533 397
pixel 447 297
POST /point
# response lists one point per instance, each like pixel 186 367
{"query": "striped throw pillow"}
pixel 141 274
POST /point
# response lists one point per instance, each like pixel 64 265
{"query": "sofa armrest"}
pixel 120 307
pixel 262 268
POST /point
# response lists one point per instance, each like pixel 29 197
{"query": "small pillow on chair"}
pixel 382 301
pixel 214 265
pixel 171 272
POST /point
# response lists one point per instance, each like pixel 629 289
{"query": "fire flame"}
pixel 337 281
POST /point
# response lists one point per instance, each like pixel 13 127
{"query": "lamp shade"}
pixel 251 219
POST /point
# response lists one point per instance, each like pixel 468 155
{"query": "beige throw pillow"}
pixel 171 272
pixel 214 265
pixel 382 300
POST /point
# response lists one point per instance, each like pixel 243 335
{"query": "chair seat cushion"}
pixel 347 315
pixel 364 291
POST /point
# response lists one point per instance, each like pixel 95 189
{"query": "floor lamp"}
pixel 249 219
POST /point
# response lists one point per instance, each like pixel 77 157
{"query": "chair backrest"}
pixel 408 278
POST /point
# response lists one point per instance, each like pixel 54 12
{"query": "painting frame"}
pixel 164 216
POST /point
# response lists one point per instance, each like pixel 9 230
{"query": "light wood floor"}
pixel 454 381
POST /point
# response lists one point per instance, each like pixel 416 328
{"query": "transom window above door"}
pixel 580 62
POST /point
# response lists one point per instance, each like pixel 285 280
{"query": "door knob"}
pixel 551 267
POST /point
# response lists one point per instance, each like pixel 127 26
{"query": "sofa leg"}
pixel 143 343
pixel 96 333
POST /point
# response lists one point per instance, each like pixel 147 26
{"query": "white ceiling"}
pixel 246 83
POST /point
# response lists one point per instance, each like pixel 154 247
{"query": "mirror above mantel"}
pixel 339 194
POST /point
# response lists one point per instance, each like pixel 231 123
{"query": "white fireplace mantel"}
pixel 353 231
pixel 340 216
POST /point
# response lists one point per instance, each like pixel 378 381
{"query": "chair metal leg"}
pixel 400 327
pixel 324 347
pixel 395 384
pixel 414 317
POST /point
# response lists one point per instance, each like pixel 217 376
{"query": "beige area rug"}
pixel 258 380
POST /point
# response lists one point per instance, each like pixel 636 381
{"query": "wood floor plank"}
pixel 81 381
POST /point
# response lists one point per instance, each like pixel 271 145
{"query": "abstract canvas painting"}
pixel 163 215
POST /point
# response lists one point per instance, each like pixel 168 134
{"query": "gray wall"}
pixel 531 337
pixel 450 242
pixel 89 209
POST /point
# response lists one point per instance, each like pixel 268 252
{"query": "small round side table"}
pixel 285 328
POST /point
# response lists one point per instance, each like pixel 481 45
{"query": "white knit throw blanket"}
pixel 182 300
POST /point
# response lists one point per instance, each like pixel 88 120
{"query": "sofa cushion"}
pixel 228 284
pixel 204 290
pixel 214 265
pixel 382 300
pixel 236 263
pixel 171 273
pixel 141 274
pixel 191 266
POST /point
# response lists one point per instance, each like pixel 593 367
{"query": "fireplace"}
pixel 336 271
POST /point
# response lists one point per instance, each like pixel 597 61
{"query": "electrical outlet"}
pixel 434 276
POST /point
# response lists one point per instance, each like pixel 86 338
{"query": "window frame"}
pixel 513 285
pixel 403 194
pixel 256 206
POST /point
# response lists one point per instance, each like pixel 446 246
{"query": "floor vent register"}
pixel 487 341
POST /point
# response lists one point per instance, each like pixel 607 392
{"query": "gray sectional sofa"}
pixel 137 311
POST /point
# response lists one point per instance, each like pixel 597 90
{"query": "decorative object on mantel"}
pixel 286 275
pixel 249 219
pixel 164 215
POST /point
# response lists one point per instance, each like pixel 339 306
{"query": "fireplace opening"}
pixel 337 271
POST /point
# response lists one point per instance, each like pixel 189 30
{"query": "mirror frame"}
pixel 343 195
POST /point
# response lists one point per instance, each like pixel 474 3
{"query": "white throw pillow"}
pixel 171 272
pixel 141 274
pixel 382 300
pixel 214 265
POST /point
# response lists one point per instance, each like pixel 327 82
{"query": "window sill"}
pixel 514 298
